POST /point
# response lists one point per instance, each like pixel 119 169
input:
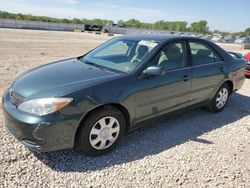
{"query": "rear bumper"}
pixel 42 134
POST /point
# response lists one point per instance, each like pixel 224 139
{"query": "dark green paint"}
pixel 142 97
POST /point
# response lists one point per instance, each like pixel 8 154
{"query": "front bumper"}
pixel 46 133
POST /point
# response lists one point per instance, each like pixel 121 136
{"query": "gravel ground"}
pixel 194 149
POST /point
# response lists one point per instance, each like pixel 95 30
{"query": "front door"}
pixel 157 95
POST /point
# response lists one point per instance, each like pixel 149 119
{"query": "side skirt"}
pixel 157 119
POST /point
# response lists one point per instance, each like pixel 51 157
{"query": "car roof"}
pixel 162 38
pixel 155 37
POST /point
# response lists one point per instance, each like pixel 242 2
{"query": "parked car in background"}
pixel 91 101
pixel 216 38
pixel 245 58
pixel 93 27
pixel 243 40
pixel 200 35
pixel 114 28
pixel 207 37
pixel 227 39
pixel 237 55
pixel 247 71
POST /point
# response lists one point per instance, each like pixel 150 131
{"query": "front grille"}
pixel 15 98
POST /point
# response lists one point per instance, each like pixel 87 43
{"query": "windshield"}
pixel 120 54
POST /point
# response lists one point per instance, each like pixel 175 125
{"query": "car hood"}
pixel 59 77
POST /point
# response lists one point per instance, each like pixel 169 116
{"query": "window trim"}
pixel 206 45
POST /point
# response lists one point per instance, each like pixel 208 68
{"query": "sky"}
pixel 225 15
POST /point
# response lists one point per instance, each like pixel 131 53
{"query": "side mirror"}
pixel 153 71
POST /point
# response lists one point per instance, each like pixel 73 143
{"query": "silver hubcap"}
pixel 222 98
pixel 104 133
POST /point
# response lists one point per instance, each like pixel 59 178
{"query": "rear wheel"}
pixel 101 131
pixel 220 99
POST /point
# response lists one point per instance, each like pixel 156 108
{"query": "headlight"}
pixel 44 106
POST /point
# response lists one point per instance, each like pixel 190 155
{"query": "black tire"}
pixel 83 134
pixel 213 107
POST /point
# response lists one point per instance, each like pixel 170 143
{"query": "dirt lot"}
pixel 195 149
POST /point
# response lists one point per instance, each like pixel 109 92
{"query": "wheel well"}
pixel 231 86
pixel 121 108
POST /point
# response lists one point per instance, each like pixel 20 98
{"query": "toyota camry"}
pixel 90 102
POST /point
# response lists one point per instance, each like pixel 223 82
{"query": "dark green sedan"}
pixel 90 102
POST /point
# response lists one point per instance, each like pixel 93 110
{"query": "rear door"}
pixel 208 71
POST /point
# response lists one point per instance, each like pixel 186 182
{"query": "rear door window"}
pixel 202 54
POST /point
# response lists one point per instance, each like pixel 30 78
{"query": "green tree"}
pixel 19 17
pixel 133 23
pixel 247 32
pixel 173 26
pixel 182 26
pixel 161 25
pixel 76 21
pixel 96 22
pixel 200 27
pixel 65 20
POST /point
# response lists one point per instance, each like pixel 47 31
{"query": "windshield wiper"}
pixel 93 64
pixel 99 66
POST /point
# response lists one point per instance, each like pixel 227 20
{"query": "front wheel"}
pixel 220 99
pixel 101 132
